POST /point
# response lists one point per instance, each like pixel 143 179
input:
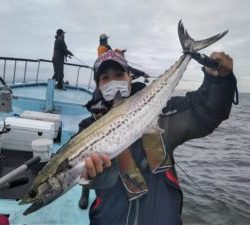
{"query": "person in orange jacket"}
pixel 104 46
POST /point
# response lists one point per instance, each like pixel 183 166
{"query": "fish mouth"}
pixel 34 207
pixel 23 202
pixel 37 204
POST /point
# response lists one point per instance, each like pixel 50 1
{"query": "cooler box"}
pixel 43 148
pixel 24 131
pixel 5 100
pixel 50 117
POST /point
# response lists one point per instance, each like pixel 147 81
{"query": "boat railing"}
pixel 18 73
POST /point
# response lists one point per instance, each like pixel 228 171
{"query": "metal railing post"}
pixel 78 71
pixel 14 75
pixel 91 75
pixel 4 69
pixel 24 75
pixel 37 72
pixel 50 95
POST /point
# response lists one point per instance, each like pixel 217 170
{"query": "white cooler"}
pixel 42 148
pixel 49 117
pixel 24 131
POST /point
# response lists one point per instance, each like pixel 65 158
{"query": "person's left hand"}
pixel 225 65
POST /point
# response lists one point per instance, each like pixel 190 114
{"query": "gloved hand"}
pixel 225 65
pixel 70 54
pixel 146 75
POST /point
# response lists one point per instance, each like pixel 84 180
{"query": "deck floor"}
pixel 65 209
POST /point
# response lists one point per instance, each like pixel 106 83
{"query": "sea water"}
pixel 220 165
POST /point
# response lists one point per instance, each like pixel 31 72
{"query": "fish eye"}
pixel 32 194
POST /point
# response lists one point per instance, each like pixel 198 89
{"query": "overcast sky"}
pixel 146 28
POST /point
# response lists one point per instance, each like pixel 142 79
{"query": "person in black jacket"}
pixel 134 72
pixel 194 115
pixel 59 55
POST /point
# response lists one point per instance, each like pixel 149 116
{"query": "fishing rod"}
pixel 134 64
pixel 122 52
pixel 198 187
pixel 83 63
pixel 192 180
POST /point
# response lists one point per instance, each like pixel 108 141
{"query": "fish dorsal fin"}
pixel 63 166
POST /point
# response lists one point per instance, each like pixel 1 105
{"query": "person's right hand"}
pixel 95 164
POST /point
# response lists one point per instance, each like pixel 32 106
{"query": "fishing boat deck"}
pixel 72 112
pixel 64 210
pixel 31 94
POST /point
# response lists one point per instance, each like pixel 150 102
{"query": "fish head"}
pixel 41 194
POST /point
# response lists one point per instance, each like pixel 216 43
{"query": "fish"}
pixel 114 132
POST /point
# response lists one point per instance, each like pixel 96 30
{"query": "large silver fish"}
pixel 114 132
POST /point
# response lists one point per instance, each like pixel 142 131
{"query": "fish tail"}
pixel 190 45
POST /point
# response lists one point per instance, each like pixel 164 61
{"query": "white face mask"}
pixel 110 89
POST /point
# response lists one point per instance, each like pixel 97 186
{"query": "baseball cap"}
pixel 109 57
pixel 103 36
pixel 60 31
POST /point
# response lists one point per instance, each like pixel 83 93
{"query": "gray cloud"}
pixel 147 29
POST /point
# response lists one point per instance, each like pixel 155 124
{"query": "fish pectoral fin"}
pixel 154 128
pixel 63 166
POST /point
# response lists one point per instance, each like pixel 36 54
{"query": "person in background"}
pixel 59 55
pixel 194 115
pixel 134 72
pixel 103 45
